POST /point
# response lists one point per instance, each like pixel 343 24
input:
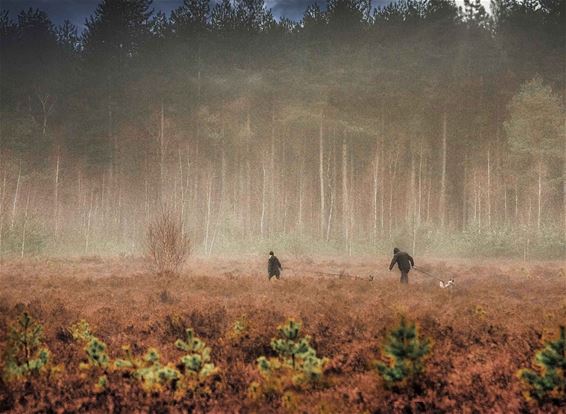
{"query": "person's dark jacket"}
pixel 403 260
pixel 274 266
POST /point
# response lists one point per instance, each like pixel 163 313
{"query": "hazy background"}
pixel 346 130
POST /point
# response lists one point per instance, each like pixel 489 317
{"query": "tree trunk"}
pixel 443 176
pixel 382 195
pixel 516 200
pixel 345 200
pixel 321 174
pixel 16 194
pixel 392 177
pixel 56 197
pixel 413 201
pixel 301 187
pixel 161 140
pixel 263 196
pixel 428 191
pixel 89 218
pixel 539 193
pixel 2 217
pixel 375 189
pixel 24 226
pixel 488 188
pixel 474 185
pixel 333 188
pixel 208 213
pixel 272 218
pixel 504 205
pixel 564 176
pixel 248 222
pixel 420 184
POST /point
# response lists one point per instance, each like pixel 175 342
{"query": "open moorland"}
pixel 483 331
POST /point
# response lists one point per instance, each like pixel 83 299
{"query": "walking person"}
pixel 274 267
pixel 404 261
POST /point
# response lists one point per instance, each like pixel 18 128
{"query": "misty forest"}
pixel 425 124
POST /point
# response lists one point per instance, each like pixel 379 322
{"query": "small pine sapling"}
pixel 406 354
pixel 239 329
pixel 196 364
pixel 95 349
pixel 298 353
pixel 80 331
pixel 297 364
pixel 26 352
pixel 153 375
pixel 96 354
pixel 549 383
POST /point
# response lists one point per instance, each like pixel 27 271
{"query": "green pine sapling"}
pixel 192 371
pixel 153 375
pixel 239 329
pixel 549 384
pixel 406 354
pixel 197 362
pixel 95 349
pixel 26 352
pixel 296 365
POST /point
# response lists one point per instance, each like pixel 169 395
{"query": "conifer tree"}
pixel 26 353
pixel 406 353
pixel 549 383
pixel 297 364
pixel 97 358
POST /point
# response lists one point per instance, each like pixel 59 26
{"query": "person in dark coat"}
pixel 273 266
pixel 404 261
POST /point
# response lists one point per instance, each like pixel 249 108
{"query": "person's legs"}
pixel 404 277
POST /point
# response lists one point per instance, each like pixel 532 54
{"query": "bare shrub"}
pixel 167 248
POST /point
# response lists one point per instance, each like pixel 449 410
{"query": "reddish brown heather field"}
pixel 488 327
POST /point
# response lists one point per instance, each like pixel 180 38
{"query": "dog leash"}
pixel 341 274
pixel 418 269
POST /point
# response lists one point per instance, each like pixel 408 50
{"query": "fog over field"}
pixel 436 127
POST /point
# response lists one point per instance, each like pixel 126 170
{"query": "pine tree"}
pixel 26 353
pixel 549 384
pixel 192 371
pixel 97 358
pixel 535 130
pixel 297 364
pixel 197 361
pixel 406 353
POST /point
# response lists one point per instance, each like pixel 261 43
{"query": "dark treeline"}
pixel 419 123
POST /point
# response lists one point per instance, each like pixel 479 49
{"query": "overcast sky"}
pixel 78 10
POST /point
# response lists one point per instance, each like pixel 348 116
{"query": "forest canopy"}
pixel 420 123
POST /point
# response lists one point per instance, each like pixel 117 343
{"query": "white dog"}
pixel 444 285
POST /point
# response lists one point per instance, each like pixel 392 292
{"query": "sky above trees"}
pixel 78 10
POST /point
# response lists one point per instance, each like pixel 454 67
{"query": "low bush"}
pixel 167 247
